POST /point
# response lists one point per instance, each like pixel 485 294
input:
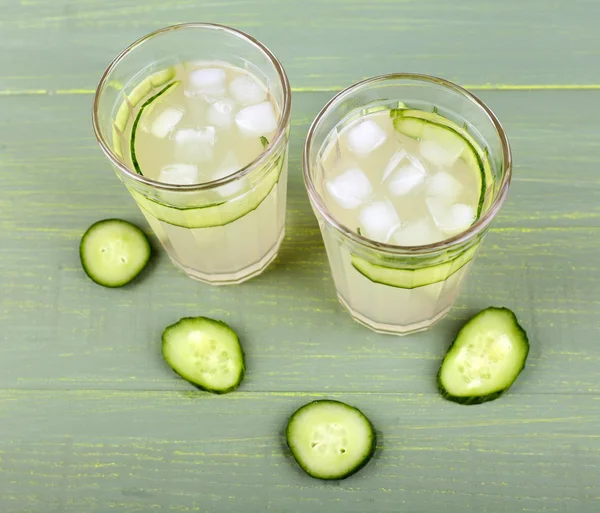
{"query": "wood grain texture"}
pixel 100 451
pixel 92 420
pixel 298 338
pixel 52 46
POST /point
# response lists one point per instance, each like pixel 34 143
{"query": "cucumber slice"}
pixel 449 141
pixel 117 141
pixel 162 77
pixel 147 104
pixel 144 88
pixel 205 352
pixel 213 215
pixel 406 122
pixel 410 127
pixel 122 117
pixel 140 91
pixel 412 278
pixel 418 128
pixel 113 252
pixel 330 439
pixel 485 359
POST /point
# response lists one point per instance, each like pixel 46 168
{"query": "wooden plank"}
pixel 91 418
pixel 323 45
pixel 295 334
pixel 540 260
pixel 95 451
pixel 554 153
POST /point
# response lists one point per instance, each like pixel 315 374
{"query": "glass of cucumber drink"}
pixel 195 120
pixel 405 173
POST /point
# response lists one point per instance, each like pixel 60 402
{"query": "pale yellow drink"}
pixel 403 190
pixel 200 122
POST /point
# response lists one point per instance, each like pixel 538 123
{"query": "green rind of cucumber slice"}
pixel 206 353
pixel 212 215
pixel 406 122
pixel 264 141
pixel 146 105
pixel 485 359
pixel 434 117
pixel 415 127
pixel 113 252
pixel 412 278
pixel 140 91
pixel 481 155
pixel 330 439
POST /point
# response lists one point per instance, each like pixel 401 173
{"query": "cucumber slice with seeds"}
pixel 205 352
pixel 485 359
pixel 113 252
pixel 330 439
pixel 412 278
pixel 147 105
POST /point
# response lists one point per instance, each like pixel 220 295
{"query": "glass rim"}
pixel 243 171
pixel 426 249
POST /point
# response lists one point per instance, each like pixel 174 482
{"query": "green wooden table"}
pixel 91 419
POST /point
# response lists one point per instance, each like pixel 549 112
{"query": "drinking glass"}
pixel 410 288
pixel 223 231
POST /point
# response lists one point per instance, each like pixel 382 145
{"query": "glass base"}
pixel 392 329
pixel 234 278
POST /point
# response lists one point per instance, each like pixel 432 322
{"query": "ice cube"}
pixel 461 216
pixel 180 174
pixel 444 186
pixel 407 178
pixel 417 233
pixel 195 145
pixel 247 91
pixel 229 165
pixel 365 137
pixel 379 220
pixel 220 113
pixel 197 64
pixel 393 164
pixel 442 153
pixel 451 219
pixel 256 120
pixel 207 81
pixel 350 189
pixel 165 122
pixel 438 210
